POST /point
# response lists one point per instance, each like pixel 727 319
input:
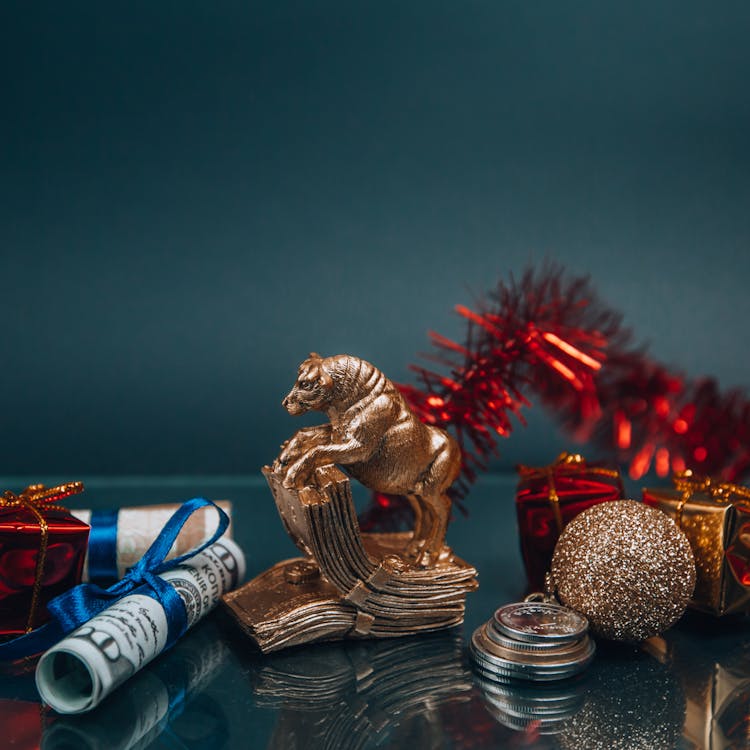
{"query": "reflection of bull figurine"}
pixel 378 440
pixel 370 694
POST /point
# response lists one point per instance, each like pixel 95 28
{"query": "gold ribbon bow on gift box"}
pixel 688 482
pixel 38 499
pixel 565 464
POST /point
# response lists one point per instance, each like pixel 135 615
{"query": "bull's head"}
pixel 313 389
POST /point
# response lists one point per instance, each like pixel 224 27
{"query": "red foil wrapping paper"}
pixel 549 497
pixel 42 549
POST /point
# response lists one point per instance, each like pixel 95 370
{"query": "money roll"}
pixel 152 702
pixel 80 671
pixel 120 537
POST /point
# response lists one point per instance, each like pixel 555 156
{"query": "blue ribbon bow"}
pixel 77 606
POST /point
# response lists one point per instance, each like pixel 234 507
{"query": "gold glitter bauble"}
pixel 626 567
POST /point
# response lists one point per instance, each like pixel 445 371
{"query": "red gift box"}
pixel 549 497
pixel 42 549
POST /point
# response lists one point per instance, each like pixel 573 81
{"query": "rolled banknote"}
pixel 154 701
pixel 81 670
pixel 120 537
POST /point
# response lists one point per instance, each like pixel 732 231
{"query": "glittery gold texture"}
pixel 632 703
pixel 626 567
pixel 714 516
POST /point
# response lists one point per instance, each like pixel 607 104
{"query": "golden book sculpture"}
pixel 349 584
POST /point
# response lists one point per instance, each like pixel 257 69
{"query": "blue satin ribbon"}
pixel 77 606
pixel 103 546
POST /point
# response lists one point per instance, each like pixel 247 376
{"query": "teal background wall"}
pixel 195 195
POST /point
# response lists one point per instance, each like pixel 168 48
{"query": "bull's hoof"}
pixel 426 558
pixel 446 554
pixel 414 550
pixel 423 557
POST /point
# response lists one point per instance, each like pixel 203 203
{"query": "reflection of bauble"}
pixel 625 566
pixel 632 703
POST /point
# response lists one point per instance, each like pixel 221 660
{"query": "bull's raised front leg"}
pixel 300 472
pixel 300 443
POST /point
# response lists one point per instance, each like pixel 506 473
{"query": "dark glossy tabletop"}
pixel 689 689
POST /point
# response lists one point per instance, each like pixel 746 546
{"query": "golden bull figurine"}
pixel 351 584
pixel 377 439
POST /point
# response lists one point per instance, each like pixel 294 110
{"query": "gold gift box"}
pixel 715 517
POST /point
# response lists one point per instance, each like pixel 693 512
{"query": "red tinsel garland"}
pixel 549 336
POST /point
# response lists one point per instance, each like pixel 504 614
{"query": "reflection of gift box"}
pixel 22 724
pixel 548 497
pixel 715 517
pixel 22 718
pixel 716 680
pixel 42 548
pixel 717 715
